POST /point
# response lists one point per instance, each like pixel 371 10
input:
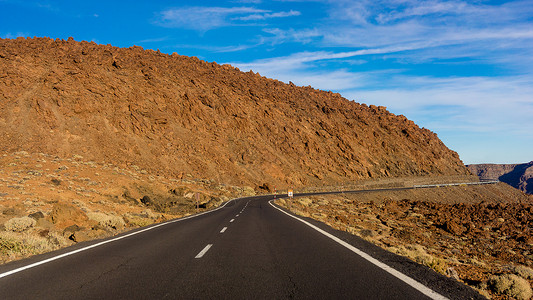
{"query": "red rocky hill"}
pixel 179 115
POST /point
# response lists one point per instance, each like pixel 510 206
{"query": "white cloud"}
pixel 473 104
pixel 207 18
pixel 305 60
pixel 10 35
pixel 484 119
pixel 280 36
pixel 264 16
pixel 364 24
pixel 248 1
pixel 202 18
pixel 153 40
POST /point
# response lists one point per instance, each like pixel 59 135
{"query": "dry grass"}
pixel 138 220
pixel 419 255
pixel 511 285
pixel 524 271
pixel 105 220
pixel 15 245
pixel 19 224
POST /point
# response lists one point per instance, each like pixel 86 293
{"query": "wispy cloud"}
pixel 474 104
pixel 279 36
pixel 153 40
pixel 247 1
pixel 264 16
pixel 202 18
pixel 217 49
pixel 207 18
pixel 368 23
pixel 305 60
pixel 9 35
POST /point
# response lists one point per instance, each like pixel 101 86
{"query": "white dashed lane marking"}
pixel 223 229
pixel 204 251
pixel 231 221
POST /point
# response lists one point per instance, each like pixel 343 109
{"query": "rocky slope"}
pixel 519 176
pixel 175 115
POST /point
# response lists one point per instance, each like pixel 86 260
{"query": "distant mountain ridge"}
pixel 180 116
pixel 519 176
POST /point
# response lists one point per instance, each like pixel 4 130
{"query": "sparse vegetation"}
pixel 19 224
pixel 511 285
pixel 137 220
pixel 524 271
pixel 108 221
pixel 419 254
pixel 15 245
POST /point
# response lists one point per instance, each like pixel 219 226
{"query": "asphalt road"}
pixel 246 250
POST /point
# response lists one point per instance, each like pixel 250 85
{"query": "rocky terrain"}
pixel 47 202
pixel 481 235
pixel 173 115
pixel 519 176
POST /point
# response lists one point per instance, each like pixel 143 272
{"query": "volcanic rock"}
pixel 175 115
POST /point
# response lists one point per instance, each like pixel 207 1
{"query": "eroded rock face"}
pixel 519 176
pixel 176 115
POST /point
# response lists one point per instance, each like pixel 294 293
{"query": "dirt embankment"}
pixel 481 235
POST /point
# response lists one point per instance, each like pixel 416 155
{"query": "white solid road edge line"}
pixel 410 281
pixel 204 251
pixel 5 274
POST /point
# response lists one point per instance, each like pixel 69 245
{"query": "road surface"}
pixel 247 249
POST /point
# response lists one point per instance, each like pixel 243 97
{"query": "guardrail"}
pixel 454 184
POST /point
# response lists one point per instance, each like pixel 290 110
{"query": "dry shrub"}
pixel 137 221
pixel 148 213
pixel 305 201
pixel 524 271
pixel 19 224
pixel 14 245
pixel 81 205
pixel 419 254
pixel 511 285
pixel 58 239
pixel 110 221
pixel 281 202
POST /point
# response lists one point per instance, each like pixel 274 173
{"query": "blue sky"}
pixel 463 69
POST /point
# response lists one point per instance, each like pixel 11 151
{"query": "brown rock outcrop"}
pixel 177 115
